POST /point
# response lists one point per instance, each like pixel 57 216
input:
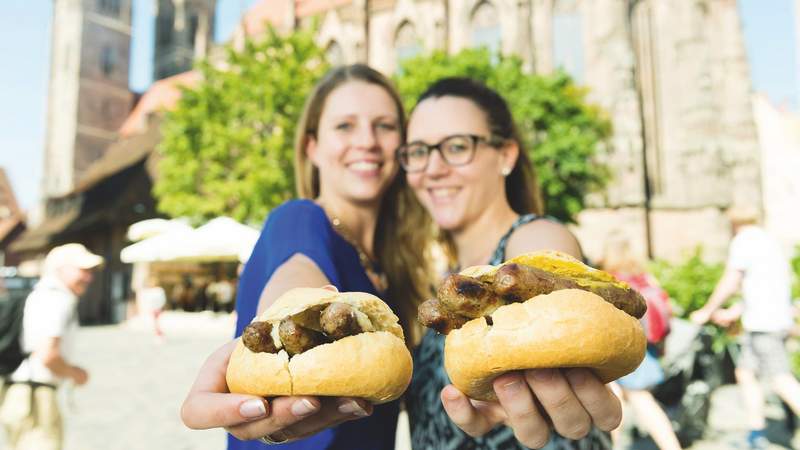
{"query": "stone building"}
pixel 88 89
pixel 99 159
pixel 672 75
pixel 184 30
pixel 89 98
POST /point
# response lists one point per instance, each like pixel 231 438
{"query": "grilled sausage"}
pixel 257 338
pixel 297 339
pixel 433 314
pixel 338 320
pixel 468 296
pixel 517 283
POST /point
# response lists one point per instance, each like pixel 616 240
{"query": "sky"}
pixel 25 50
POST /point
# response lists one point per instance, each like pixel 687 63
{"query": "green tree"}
pixel 563 133
pixel 227 146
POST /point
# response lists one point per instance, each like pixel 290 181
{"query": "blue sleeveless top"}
pixel 431 428
pixel 301 226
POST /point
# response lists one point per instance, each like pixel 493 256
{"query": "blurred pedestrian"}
pixel 634 389
pixel 758 268
pixel 151 300
pixel 30 412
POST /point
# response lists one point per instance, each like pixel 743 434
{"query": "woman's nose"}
pixel 437 166
pixel 365 137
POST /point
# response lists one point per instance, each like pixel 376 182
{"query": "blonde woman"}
pixel 357 228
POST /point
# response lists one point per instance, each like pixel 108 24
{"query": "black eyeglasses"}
pixel 456 150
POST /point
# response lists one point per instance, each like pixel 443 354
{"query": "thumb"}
pixel 205 410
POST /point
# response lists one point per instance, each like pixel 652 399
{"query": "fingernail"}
pixel 303 407
pixel 253 409
pixel 451 394
pixel 542 374
pixel 512 386
pixel 352 407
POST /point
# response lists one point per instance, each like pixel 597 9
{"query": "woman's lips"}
pixel 365 168
pixel 443 194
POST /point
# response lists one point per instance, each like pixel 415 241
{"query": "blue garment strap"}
pixel 499 254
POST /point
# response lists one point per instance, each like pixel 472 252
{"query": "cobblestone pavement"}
pixel 137 385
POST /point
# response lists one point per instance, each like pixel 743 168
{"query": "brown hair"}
pixel 522 186
pixel 403 226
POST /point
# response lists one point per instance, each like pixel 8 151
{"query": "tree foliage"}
pixel 562 132
pixel 227 146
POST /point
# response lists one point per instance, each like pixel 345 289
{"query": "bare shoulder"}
pixel 543 235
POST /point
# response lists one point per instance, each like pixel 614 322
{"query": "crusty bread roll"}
pixel 566 328
pixel 374 365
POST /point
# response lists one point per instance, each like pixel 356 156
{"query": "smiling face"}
pixel 355 142
pixel 456 196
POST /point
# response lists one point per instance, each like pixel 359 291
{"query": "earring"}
pixel 505 172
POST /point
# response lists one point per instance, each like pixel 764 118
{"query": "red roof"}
pixel 275 12
pixel 10 214
pixel 162 95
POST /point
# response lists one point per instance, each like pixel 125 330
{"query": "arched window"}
pixel 108 60
pixel 406 42
pixel 165 22
pixel 485 28
pixel 568 39
pixel 334 54
pixel 110 7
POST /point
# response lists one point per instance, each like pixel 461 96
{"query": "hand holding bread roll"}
pixel 539 310
pixel 320 342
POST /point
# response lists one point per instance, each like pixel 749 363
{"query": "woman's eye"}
pixel 344 126
pixel 387 126
pixel 456 148
pixel 416 152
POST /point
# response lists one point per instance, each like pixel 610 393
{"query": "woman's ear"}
pixel 311 149
pixel 509 153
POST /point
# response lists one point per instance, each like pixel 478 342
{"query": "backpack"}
pixel 659 310
pixel 12 307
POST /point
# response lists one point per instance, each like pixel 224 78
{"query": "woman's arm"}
pixel 210 405
pixel 298 271
pixel 532 402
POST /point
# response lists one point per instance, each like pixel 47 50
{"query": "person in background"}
pixel 758 269
pixel 468 167
pixel 151 300
pixel 619 260
pixel 30 413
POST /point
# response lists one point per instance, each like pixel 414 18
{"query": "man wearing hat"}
pixel 758 268
pixel 30 412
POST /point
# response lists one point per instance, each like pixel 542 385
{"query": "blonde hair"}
pixel 618 257
pixel 740 215
pixel 402 234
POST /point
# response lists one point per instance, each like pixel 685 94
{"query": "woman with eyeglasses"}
pixel 466 163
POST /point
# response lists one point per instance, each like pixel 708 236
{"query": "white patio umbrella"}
pixel 221 239
pixel 161 247
pixel 152 227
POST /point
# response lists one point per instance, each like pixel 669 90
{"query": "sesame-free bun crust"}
pixel 566 328
pixel 374 365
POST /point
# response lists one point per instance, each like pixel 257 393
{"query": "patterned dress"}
pixel 431 428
